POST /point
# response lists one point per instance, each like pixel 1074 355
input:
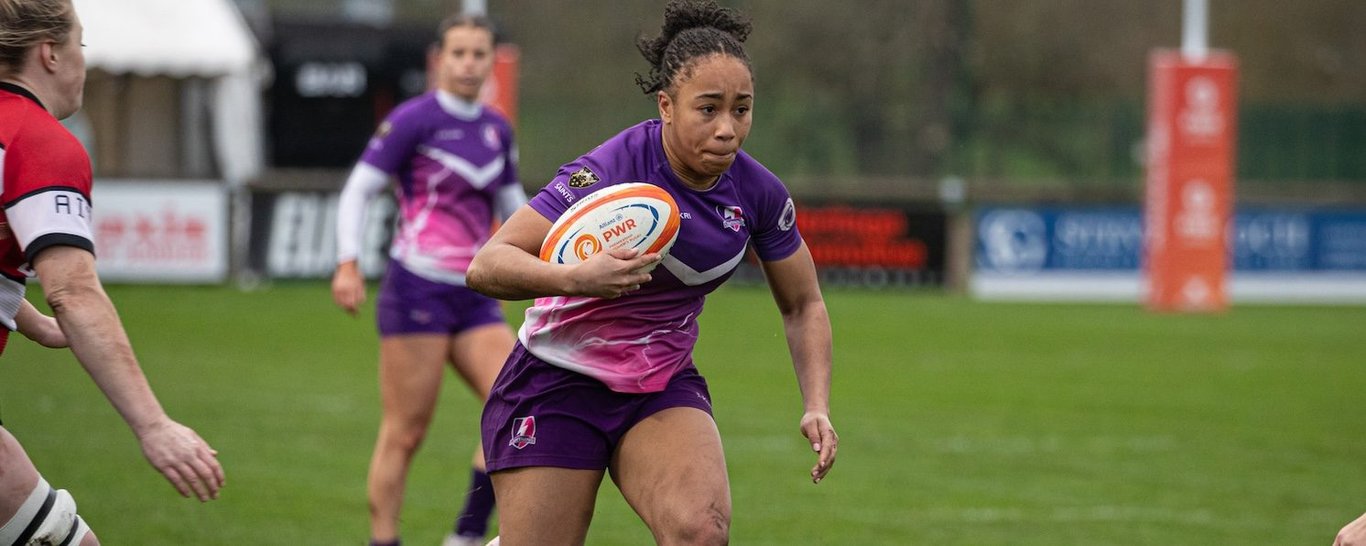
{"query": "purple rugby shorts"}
pixel 542 415
pixel 409 304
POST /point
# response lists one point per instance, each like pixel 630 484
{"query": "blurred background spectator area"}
pixel 1022 100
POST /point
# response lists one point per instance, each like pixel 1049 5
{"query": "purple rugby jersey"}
pixel 450 159
pixel 635 343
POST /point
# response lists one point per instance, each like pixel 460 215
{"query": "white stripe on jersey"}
pixel 692 277
pixel 11 293
pixel 479 177
pixel 47 212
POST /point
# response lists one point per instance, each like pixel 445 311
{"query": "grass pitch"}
pixel 961 423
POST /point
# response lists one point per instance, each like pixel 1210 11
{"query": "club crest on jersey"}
pixel 491 137
pixel 384 129
pixel 582 178
pixel 523 431
pixel 732 218
pixel 788 218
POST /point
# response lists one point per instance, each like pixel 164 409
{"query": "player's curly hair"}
pixel 26 23
pixel 692 29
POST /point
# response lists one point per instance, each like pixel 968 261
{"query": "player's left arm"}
pixel 807 326
pixel 1353 534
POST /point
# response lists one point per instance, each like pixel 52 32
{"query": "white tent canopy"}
pixel 188 39
pixel 205 38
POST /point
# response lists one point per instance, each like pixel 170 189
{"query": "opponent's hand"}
pixel 40 328
pixel 44 331
pixel 183 458
pixel 817 429
pixel 612 274
pixel 1354 534
pixel 348 287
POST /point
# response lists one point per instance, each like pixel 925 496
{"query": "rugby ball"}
pixel 633 215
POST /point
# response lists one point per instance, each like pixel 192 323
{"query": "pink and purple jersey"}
pixel 451 160
pixel 637 342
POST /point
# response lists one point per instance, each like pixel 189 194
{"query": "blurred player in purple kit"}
pixel 602 378
pixel 45 228
pixel 454 162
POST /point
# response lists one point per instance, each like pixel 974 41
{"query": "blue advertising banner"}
pixel 1094 253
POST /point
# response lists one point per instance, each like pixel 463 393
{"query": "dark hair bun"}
pixel 681 17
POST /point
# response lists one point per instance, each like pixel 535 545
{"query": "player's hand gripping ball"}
pixel 635 215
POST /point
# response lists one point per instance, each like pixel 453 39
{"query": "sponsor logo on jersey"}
pixel 732 218
pixel 450 134
pixel 788 218
pixel 523 431
pixel 582 178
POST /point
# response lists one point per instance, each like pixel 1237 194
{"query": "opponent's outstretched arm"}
pixel 99 342
pixel 1354 534
pixel 38 327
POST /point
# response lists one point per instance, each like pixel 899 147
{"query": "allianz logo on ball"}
pixel 631 215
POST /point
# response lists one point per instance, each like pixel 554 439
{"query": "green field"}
pixel 961 423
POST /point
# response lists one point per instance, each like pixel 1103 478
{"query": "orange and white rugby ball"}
pixel 634 215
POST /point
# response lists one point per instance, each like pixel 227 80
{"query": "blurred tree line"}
pixel 896 94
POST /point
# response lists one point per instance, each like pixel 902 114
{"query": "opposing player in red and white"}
pixel 1353 534
pixel 602 379
pixel 45 228
pixel 453 162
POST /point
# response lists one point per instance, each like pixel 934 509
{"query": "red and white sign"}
pixel 160 231
pixel 1192 114
pixel 500 90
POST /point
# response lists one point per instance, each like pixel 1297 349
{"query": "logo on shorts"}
pixel 523 432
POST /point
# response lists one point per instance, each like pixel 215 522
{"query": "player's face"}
pixel 707 117
pixel 68 63
pixel 466 60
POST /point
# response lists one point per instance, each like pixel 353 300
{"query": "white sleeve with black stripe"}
pixel 49 217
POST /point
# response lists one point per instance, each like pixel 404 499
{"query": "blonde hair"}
pixel 26 23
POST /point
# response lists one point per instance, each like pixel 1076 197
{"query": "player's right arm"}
pixel 387 152
pixel 509 266
pixel 38 327
pixel 348 285
pixel 98 340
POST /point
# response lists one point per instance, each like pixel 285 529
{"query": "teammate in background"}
pixel 602 378
pixel 455 164
pixel 45 228
pixel 1354 534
